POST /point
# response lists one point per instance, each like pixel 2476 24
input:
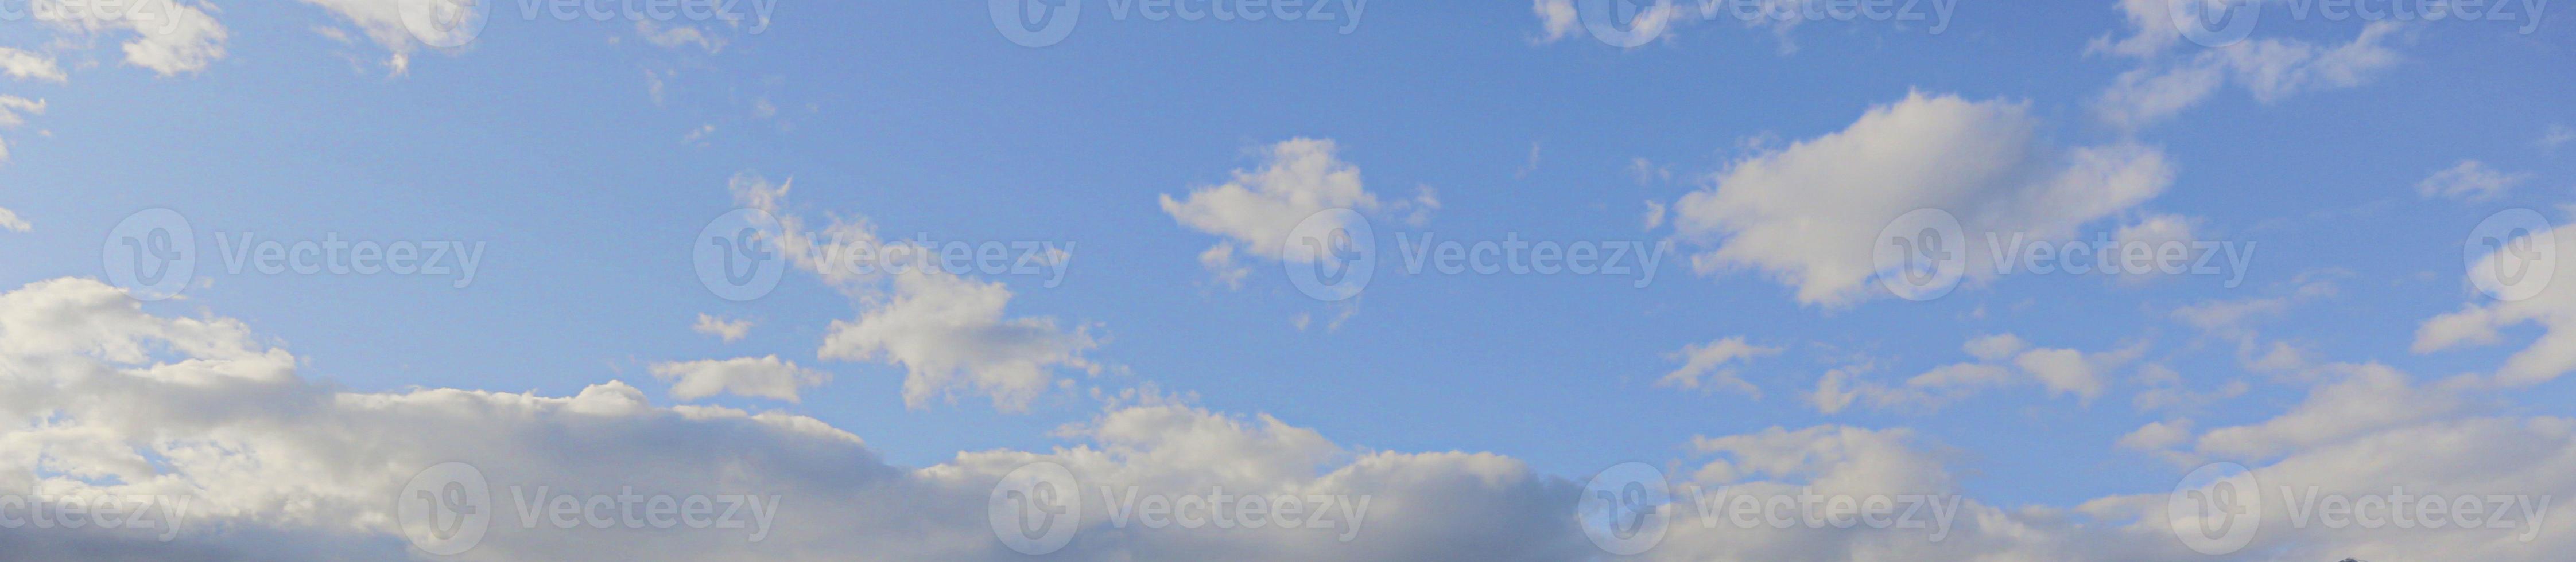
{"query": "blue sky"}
pixel 585 157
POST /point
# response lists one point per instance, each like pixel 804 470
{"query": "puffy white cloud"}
pixel 9 220
pixel 24 65
pixel 104 399
pixel 1258 208
pixel 760 377
pixel 1712 365
pixel 1807 215
pixel 2471 181
pixel 728 330
pixel 950 335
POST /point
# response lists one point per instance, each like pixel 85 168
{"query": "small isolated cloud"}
pixel 2470 181
pixel 24 65
pixel 2555 136
pixel 1807 215
pixel 382 22
pixel 1256 211
pixel 729 330
pixel 9 220
pixel 1712 365
pixel 951 334
pixel 677 36
pixel 13 112
pixel 761 377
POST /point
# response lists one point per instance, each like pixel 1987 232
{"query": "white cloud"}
pixel 9 221
pixel 728 330
pixel 950 333
pixel 2164 84
pixel 170 37
pixel 1556 19
pixel 2553 308
pixel 2361 399
pixel 25 65
pixel 2156 436
pixel 382 21
pixel 761 377
pixel 2002 360
pixel 2470 181
pixel 104 399
pixel 1712 365
pixel 2556 135
pixel 1807 215
pixel 1258 208
pixel 13 112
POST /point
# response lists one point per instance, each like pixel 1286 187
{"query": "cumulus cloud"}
pixel 728 330
pixel 2166 83
pixel 1256 211
pixel 1712 365
pixel 2470 181
pixel 951 333
pixel 1807 215
pixel 9 221
pixel 760 377
pixel 104 399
